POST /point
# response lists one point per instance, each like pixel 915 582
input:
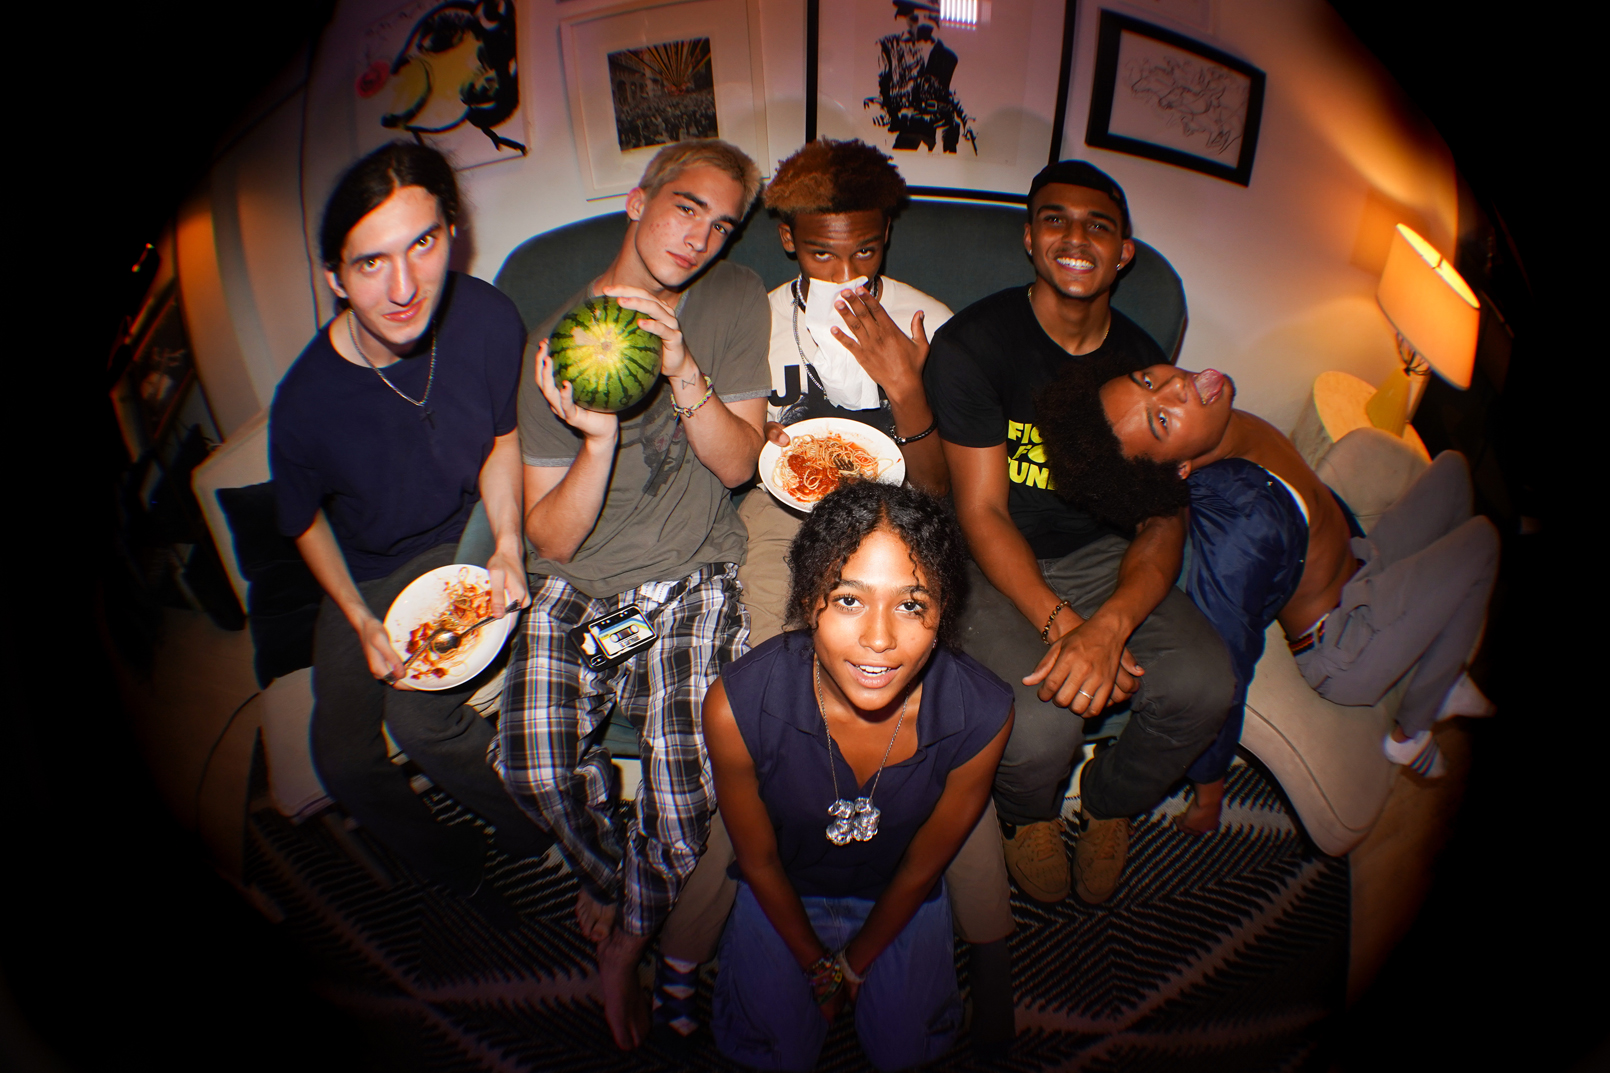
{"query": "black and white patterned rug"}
pixel 1224 953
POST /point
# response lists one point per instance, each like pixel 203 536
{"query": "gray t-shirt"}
pixel 665 514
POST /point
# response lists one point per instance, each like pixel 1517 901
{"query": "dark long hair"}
pixel 368 183
pixel 842 521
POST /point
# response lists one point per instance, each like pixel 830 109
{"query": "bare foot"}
pixel 625 1002
pixel 593 917
pixel 1201 816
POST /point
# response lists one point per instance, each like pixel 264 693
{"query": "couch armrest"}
pixel 242 460
pixel 1371 470
pixel 1327 757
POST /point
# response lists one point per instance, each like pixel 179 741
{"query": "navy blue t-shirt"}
pixel 773 702
pixel 393 483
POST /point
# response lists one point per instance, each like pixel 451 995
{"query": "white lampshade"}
pixel 1431 306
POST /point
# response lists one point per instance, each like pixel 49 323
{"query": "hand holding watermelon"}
pixel 655 318
pixel 604 357
pixel 594 424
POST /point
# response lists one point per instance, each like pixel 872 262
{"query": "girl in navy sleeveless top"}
pixel 852 757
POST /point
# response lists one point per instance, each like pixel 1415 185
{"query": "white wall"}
pixel 1275 294
pixel 1279 275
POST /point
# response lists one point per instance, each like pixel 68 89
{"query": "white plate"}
pixel 892 469
pixel 423 600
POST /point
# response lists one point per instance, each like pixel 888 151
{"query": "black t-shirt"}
pixel 393 483
pixel 985 368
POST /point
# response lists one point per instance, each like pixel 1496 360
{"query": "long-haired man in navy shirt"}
pixel 393 423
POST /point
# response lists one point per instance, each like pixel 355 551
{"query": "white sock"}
pixel 1465 699
pixel 1419 754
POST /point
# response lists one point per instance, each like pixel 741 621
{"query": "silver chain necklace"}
pixel 856 819
pixel 430 380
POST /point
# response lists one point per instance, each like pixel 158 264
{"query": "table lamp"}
pixel 1436 317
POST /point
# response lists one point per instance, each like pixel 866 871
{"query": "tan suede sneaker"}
pixel 1098 858
pixel 1037 859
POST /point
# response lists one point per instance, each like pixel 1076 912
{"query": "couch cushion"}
pixel 282 599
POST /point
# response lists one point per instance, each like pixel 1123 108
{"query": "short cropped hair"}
pixel 1087 462
pixel 842 520
pixel 368 183
pixel 1083 173
pixel 678 157
pixel 829 176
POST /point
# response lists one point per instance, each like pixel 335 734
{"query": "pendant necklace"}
pixel 856 819
pixel 426 413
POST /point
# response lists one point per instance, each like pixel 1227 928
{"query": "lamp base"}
pixel 1394 402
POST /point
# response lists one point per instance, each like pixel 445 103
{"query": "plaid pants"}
pixel 552 703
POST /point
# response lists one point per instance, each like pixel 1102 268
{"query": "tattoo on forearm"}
pixel 685 382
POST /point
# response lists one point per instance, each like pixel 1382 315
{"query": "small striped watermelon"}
pixel 610 362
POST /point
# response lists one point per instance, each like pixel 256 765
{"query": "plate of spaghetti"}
pixel 822 453
pixel 452 597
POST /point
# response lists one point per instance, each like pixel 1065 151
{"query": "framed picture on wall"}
pixel 968 96
pixel 445 72
pixel 147 395
pixel 643 75
pixel 1163 96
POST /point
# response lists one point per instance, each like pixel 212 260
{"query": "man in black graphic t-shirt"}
pixel 1090 617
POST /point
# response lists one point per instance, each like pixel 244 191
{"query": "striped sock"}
pixel 674 987
pixel 1419 754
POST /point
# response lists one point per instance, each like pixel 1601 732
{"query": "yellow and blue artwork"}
pixel 445 73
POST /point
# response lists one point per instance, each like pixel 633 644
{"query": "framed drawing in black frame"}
pixel 969 97
pixel 1163 96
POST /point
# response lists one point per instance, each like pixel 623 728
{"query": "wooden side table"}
pixel 1335 408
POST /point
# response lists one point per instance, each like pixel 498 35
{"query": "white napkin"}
pixel 846 383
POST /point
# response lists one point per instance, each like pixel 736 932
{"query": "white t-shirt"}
pixel 788 380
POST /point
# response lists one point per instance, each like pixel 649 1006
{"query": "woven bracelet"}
pixel 685 412
pixel 826 977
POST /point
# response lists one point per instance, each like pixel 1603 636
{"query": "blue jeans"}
pixel 765 1016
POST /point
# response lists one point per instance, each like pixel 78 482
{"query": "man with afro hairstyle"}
pixel 835 202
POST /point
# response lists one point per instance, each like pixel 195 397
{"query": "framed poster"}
pixel 446 73
pixel 147 395
pixel 643 75
pixel 1166 97
pixel 968 96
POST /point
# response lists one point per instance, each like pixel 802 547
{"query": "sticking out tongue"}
pixel 1209 382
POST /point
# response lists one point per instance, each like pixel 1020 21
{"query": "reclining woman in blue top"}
pixel 1269 541
pixel 852 757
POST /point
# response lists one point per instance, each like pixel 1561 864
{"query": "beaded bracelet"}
pixel 826 977
pixel 1045 634
pixel 685 412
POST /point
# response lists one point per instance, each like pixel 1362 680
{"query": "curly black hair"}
pixel 1087 462
pixel 842 520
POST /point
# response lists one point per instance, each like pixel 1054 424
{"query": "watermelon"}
pixel 610 362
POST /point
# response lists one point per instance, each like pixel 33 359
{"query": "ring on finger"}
pixel 1082 693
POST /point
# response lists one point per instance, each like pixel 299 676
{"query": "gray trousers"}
pixel 1418 601
pixel 438 731
pixel 1183 697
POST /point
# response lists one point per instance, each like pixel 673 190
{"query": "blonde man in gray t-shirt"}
pixel 633 510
